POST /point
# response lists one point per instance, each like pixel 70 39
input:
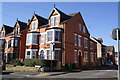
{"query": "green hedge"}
pixel 15 62
pixel 41 62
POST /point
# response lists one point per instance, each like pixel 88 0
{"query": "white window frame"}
pixel 79 40
pixel 12 42
pixel 75 39
pixel 7 44
pixel 31 54
pixel 33 25
pixel 54 21
pixel 53 40
pixel 31 39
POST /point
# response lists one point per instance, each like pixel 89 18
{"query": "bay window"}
pixel 31 39
pixel 34 38
pixel 12 42
pixel 49 36
pixel 16 43
pixel 57 35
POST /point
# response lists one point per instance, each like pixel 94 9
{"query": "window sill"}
pixel 32 44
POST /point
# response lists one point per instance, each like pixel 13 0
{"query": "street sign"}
pixel 114 33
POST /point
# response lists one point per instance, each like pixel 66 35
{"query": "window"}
pixel 42 38
pixel 33 24
pixel 9 43
pixel 91 45
pixel 33 54
pixel 75 39
pixel 79 40
pixel 18 30
pixel 85 42
pixel 16 43
pixel 49 54
pixel 75 56
pixel 85 56
pixel 2 33
pixel 6 43
pixel 28 55
pixel 84 29
pixel 80 27
pixel 92 56
pixel 49 36
pixel 57 54
pixel 34 38
pixel 28 38
pixel 57 35
pixel 31 39
pixel 54 21
pixel 12 43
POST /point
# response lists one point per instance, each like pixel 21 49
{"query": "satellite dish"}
pixel 114 33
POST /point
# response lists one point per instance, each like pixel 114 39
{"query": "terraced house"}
pixel 66 32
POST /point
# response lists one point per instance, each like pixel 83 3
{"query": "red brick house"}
pixel 15 37
pixel 69 35
pixel 67 32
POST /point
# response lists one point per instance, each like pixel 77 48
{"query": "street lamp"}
pixel 52 50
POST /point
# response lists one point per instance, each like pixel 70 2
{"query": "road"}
pixel 76 75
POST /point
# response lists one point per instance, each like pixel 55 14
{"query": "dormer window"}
pixel 54 21
pixel 3 33
pixel 33 25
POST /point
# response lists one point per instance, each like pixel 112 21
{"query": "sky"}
pixel 100 17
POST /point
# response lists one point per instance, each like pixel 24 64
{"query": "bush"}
pixel 41 62
pixel 15 62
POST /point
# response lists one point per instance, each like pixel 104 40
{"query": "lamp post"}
pixel 52 50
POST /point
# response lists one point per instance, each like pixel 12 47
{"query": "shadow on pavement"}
pixel 6 73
